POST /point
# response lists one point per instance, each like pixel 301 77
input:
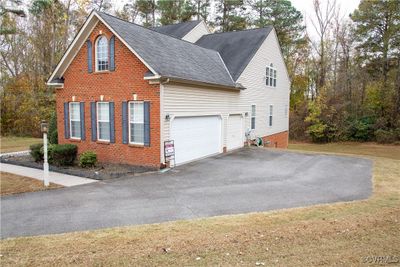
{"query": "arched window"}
pixel 102 54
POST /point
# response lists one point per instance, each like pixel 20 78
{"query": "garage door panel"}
pixel 196 137
pixel 235 132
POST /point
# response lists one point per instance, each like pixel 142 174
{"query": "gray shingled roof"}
pixel 236 48
pixel 171 57
pixel 177 30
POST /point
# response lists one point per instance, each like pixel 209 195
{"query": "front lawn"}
pixel 334 234
pixel 15 184
pixel 13 144
pixel 365 149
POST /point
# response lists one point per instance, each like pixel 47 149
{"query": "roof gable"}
pixel 236 48
pixel 178 30
pixel 164 55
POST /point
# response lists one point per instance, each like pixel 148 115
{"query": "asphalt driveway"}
pixel 248 180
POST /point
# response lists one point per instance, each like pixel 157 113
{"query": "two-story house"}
pixel 122 90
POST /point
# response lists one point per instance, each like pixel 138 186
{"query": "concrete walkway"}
pixel 55 177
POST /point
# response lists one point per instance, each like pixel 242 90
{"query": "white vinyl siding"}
pixel 253 117
pixel 101 53
pixel 103 121
pixel 75 120
pixel 196 33
pixel 136 123
pixel 179 100
pixel 254 79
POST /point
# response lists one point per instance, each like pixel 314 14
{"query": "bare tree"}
pixel 324 15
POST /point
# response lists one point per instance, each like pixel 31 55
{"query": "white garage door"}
pixel 196 137
pixel 235 132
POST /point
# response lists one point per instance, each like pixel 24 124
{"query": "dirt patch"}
pixel 102 171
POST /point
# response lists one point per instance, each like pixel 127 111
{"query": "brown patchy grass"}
pixel 13 144
pixel 334 234
pixel 15 184
pixel 363 149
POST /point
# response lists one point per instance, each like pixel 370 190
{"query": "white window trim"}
pixel 70 120
pixel 95 54
pixel 274 77
pixel 97 120
pixel 129 123
pixel 270 115
pixel 251 116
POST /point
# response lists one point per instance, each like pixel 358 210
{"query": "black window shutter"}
pixel 125 123
pixel 93 120
pixel 66 120
pixel 89 56
pixel 112 53
pixel 112 124
pixel 82 108
pixel 147 123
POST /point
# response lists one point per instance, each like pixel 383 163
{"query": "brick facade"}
pixel 116 86
pixel 278 140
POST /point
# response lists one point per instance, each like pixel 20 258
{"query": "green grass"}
pixel 331 234
pixel 13 144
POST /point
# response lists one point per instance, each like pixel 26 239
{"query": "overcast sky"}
pixel 305 6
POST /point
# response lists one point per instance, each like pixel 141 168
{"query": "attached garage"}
pixel 196 137
pixel 234 132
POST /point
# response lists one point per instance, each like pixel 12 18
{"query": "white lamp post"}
pixel 44 127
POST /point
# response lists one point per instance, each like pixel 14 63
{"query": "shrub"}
pixel 37 152
pixel 384 136
pixel 88 159
pixel 62 155
pixel 53 135
pixel 360 129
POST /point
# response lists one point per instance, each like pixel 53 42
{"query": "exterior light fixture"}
pixel 73 98
pixel 167 117
pixel 134 95
pixel 101 97
pixel 44 127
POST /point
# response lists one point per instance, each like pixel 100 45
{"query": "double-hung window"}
pixel 103 121
pixel 75 120
pixel 286 111
pixel 136 123
pixel 270 74
pixel 271 110
pixel 253 117
pixel 102 54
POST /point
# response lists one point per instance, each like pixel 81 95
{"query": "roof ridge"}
pixel 196 20
pixel 157 31
pixel 245 30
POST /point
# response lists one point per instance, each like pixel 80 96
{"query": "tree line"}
pixel 345 80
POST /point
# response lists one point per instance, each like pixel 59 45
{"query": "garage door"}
pixel 235 132
pixel 196 137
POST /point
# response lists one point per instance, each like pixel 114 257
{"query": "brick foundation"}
pixel 116 86
pixel 278 140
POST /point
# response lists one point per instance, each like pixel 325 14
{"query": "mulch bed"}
pixel 102 171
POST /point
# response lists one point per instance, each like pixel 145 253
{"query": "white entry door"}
pixel 196 137
pixel 235 132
